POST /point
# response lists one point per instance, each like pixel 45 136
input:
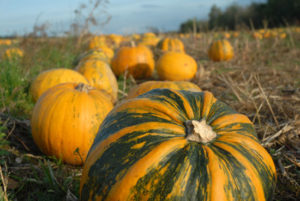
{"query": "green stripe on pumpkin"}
pixel 218 110
pixel 244 129
pixel 121 155
pixel 196 102
pixel 180 170
pixel 124 119
pixel 264 171
pixel 170 98
pixel 240 187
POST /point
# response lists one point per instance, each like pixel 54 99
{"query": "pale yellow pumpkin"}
pixel 100 76
pixel 171 44
pixel 13 53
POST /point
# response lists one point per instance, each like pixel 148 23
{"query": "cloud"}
pixel 150 6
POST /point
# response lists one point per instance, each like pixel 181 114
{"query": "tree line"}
pixel 273 13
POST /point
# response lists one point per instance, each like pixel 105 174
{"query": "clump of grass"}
pixel 14 84
pixel 4 143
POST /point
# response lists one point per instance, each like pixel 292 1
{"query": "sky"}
pixel 126 16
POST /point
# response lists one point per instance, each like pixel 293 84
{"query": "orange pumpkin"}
pixel 149 85
pixel 171 44
pixel 220 50
pixel 267 34
pixel 282 35
pixel 176 66
pixel 257 35
pixel 100 76
pixel 227 35
pixel 235 34
pixel 66 119
pixel 50 78
pixel 138 61
pixel 13 53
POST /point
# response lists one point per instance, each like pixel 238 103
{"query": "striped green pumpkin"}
pixel 177 145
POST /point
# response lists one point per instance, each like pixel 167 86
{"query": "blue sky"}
pixel 127 16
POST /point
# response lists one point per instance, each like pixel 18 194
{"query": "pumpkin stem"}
pixel 199 131
pixel 83 87
pixel 132 43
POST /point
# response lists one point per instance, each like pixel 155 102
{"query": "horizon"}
pixel 127 17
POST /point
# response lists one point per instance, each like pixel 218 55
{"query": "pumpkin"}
pixel 177 145
pixel 171 44
pixel 257 35
pixel 149 85
pixel 227 35
pixel 267 34
pixel 13 53
pixel 176 66
pixel 149 39
pixel 149 35
pixel 99 43
pixel 282 35
pixel 114 40
pixel 53 77
pixel 100 76
pixel 181 35
pixel 235 34
pixel 107 51
pixel 66 119
pixel 151 42
pixel 5 42
pixel 96 41
pixel 198 35
pixel 138 61
pixel 92 54
pixel 136 37
pixel 220 50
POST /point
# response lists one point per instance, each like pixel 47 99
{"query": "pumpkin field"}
pixel 117 117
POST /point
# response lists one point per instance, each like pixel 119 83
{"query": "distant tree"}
pixel 214 17
pixel 255 15
pixel 152 29
pixel 233 16
pixel 280 12
pixel 188 26
pixel 273 13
